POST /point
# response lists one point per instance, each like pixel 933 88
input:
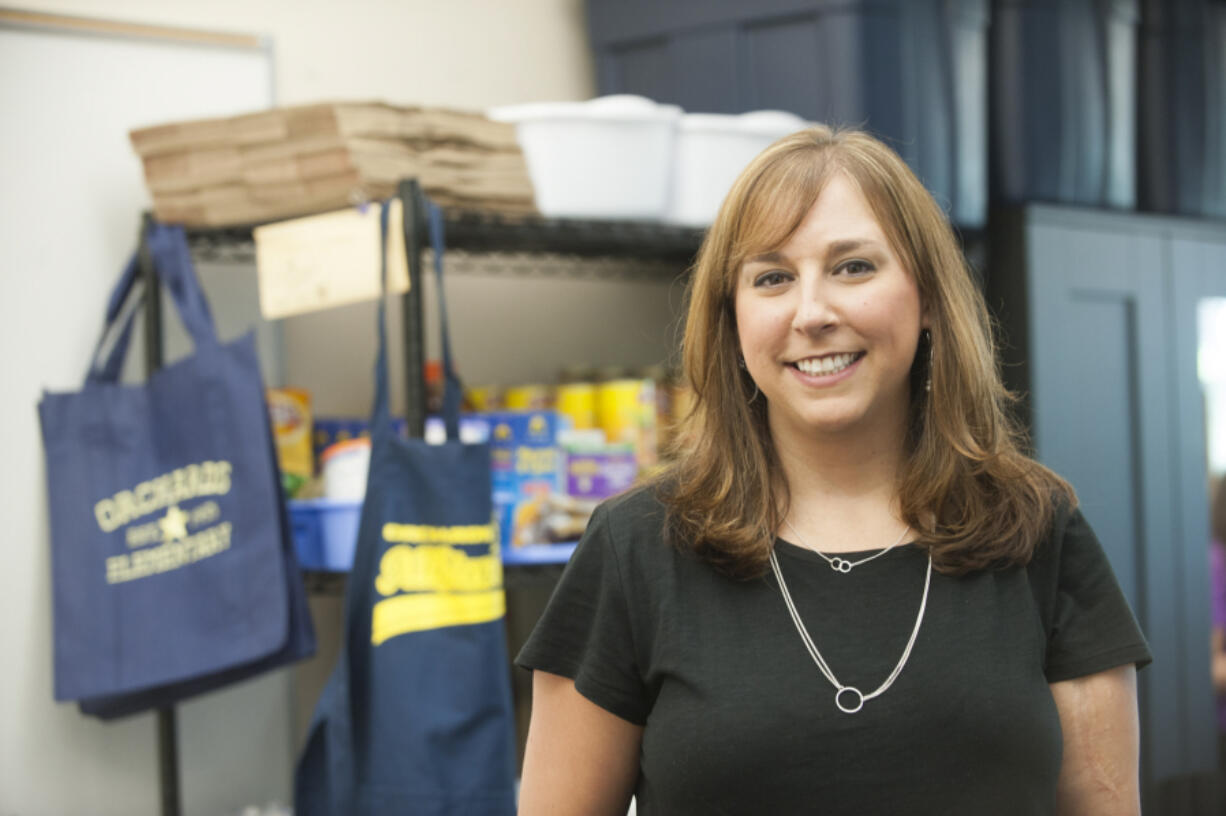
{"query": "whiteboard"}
pixel 69 100
pixel 73 188
pixel 71 198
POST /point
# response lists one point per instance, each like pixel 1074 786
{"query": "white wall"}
pixel 465 53
pixel 236 745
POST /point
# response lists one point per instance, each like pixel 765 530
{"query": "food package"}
pixel 290 412
pixel 529 478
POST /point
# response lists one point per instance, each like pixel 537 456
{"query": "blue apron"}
pixel 416 717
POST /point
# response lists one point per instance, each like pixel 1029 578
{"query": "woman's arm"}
pixel 1217 651
pixel 580 758
pixel 1102 744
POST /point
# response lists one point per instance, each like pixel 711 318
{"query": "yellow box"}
pixel 290 411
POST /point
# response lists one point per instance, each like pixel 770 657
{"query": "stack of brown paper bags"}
pixel 295 161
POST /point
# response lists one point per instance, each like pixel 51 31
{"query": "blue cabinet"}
pixel 912 71
pixel 1099 316
pixel 1063 101
pixel 1182 107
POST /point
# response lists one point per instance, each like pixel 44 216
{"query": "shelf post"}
pixel 168 738
pixel 413 207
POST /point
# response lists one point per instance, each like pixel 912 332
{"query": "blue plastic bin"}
pixel 325 533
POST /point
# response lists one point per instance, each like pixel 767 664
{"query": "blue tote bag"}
pixel 300 645
pixel 416 717
pixel 168 532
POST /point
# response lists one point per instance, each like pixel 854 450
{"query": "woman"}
pixel 1217 581
pixel 851 593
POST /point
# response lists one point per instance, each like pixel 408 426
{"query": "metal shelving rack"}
pixel 468 232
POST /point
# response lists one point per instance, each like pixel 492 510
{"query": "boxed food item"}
pixel 596 470
pixel 529 478
pixel 289 410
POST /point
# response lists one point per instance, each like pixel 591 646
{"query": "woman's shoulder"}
pixel 642 501
pixel 636 514
pixel 633 527
pixel 1062 512
pixel 1067 525
pixel 1070 555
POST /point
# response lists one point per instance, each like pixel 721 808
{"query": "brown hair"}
pixel 966 488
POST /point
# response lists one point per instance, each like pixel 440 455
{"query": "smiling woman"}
pixel 851 592
pixel 828 326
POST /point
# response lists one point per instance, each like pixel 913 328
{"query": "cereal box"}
pixel 528 476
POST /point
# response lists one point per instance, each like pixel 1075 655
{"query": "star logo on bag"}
pixel 174 524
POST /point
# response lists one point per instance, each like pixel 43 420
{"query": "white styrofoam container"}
pixel 712 149
pixel 610 157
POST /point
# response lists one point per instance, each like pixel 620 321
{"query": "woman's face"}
pixel 829 323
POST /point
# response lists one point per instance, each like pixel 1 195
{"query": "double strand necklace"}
pixel 842 564
pixel 849 699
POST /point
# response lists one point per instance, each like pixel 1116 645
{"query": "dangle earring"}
pixel 741 364
pixel 928 375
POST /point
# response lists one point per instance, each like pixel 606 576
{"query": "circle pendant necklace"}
pixel 849 699
pixel 842 564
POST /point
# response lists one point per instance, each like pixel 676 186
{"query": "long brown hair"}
pixel 966 488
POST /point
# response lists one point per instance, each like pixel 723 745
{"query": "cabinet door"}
pixel 1100 397
pixel 1197 271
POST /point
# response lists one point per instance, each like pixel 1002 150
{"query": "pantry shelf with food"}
pixel 546 424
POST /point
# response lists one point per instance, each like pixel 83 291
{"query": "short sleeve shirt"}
pixel 737 717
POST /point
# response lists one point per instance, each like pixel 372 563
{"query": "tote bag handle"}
pixel 381 418
pixel 173 263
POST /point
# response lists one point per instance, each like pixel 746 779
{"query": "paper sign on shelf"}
pixel 328 260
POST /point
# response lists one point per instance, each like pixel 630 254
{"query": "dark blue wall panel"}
pixel 911 71
pixel 706 75
pixel 783 66
pixel 1063 101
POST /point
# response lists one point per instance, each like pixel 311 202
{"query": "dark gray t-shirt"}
pixel 738 718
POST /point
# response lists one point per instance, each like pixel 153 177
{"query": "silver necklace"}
pixel 842 564
pixel 856 696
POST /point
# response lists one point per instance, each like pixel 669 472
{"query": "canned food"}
pixel 485 398
pixel 626 412
pixel 528 398
pixel 577 400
